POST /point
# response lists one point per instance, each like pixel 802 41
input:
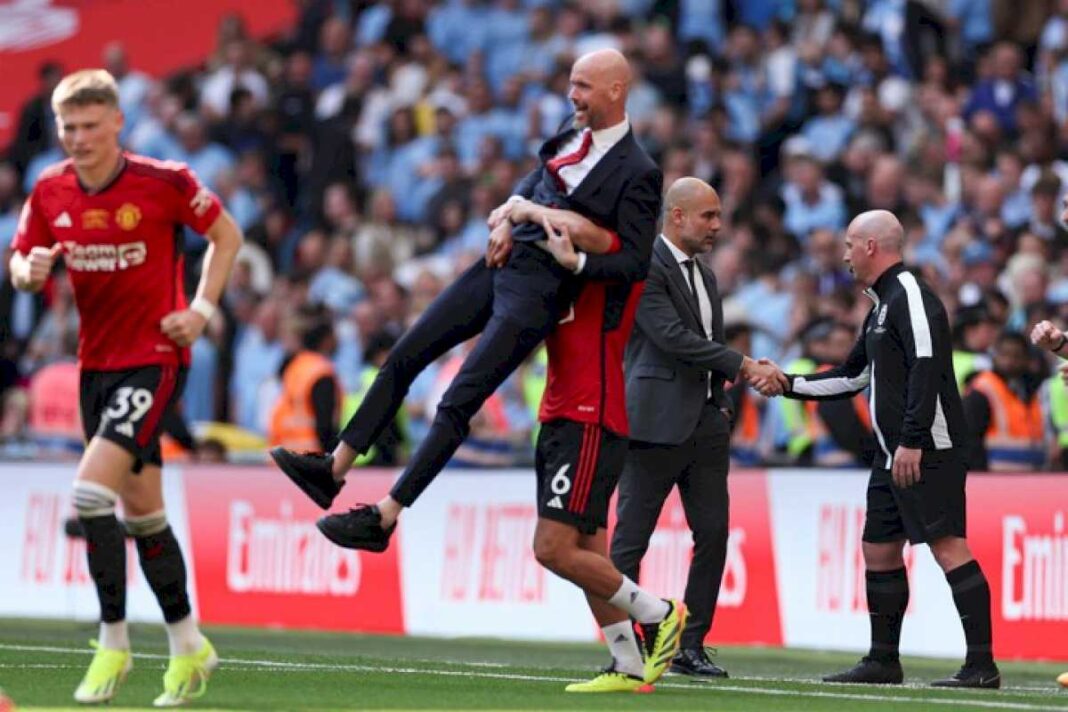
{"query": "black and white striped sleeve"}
pixel 842 381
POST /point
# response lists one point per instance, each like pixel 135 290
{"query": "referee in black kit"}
pixel 916 489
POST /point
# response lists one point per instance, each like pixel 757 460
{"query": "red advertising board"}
pixel 261 561
pixel 1017 531
pixel 160 36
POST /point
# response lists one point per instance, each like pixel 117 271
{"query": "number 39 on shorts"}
pixel 130 406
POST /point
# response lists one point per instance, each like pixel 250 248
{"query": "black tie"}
pixel 690 264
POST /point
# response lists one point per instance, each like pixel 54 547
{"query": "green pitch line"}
pixel 41 663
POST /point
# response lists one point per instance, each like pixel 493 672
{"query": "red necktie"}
pixel 569 159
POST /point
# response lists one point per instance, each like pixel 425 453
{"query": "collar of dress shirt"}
pixel 605 138
pixel 678 254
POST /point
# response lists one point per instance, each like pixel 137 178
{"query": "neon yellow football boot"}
pixel 187 676
pixel 611 680
pixel 661 640
pixel 106 673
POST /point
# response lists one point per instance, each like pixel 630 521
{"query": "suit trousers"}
pixel 699 467
pixel 514 308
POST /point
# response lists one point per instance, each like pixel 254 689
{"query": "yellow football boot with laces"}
pixel 611 680
pixel 105 675
pixel 187 676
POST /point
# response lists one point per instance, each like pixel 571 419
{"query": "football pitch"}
pixel 41 662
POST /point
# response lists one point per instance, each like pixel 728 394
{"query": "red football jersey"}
pixel 585 377
pixel 122 246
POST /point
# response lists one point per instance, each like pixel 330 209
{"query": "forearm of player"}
pixel 226 239
pixel 585 235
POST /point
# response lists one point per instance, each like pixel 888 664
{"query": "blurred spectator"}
pixel 35 130
pixel 237 71
pixel 974 333
pixel 305 414
pixel 1003 413
pixel 1007 87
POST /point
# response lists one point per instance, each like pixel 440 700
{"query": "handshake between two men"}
pixel 764 376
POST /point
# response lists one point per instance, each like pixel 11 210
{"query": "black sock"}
pixel 888 597
pixel 105 548
pixel 164 568
pixel 971 594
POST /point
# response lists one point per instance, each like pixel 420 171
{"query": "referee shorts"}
pixel 933 508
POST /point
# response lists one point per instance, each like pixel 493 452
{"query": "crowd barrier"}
pixel 461 562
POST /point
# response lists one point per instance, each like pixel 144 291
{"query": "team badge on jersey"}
pixel 128 216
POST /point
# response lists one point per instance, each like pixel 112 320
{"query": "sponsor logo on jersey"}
pixel 63 220
pixel 104 258
pixel 128 216
pixel 95 219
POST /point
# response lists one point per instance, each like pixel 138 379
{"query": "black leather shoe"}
pixel 977 675
pixel 313 472
pixel 695 662
pixel 870 672
pixel 358 528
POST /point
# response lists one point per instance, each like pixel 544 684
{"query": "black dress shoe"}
pixel 358 528
pixel 313 472
pixel 695 662
pixel 870 672
pixel 977 675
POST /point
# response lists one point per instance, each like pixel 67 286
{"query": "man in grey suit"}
pixel 676 364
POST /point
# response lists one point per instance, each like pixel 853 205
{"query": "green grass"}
pixel 41 663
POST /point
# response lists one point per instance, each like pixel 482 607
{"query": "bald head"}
pixel 607 63
pixel 875 240
pixel 881 226
pixel 599 84
pixel 692 214
pixel 685 192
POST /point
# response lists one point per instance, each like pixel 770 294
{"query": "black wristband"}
pixel 1064 340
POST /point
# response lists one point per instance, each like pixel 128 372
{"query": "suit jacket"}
pixel 668 359
pixel 622 193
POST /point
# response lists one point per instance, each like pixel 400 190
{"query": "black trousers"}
pixel 514 308
pixel 699 467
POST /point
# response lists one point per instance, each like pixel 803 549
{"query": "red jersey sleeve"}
pixel 199 207
pixel 32 230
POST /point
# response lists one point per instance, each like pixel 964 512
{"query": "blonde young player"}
pixel 115 220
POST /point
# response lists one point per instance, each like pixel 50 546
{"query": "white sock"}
pixel 184 636
pixel 624 648
pixel 114 636
pixel 642 606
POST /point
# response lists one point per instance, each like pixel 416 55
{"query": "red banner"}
pixel 261 561
pixel 1017 531
pixel 160 36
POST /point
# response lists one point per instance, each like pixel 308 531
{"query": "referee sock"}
pixel 624 648
pixel 888 597
pixel 971 594
pixel 640 605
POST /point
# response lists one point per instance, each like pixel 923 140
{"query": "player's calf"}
pixel 106 556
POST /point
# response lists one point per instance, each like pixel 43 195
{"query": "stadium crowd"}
pixel 362 153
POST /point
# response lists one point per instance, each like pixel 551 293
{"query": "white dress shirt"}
pixel 703 301
pixel 603 140
pixel 573 175
pixel 699 283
